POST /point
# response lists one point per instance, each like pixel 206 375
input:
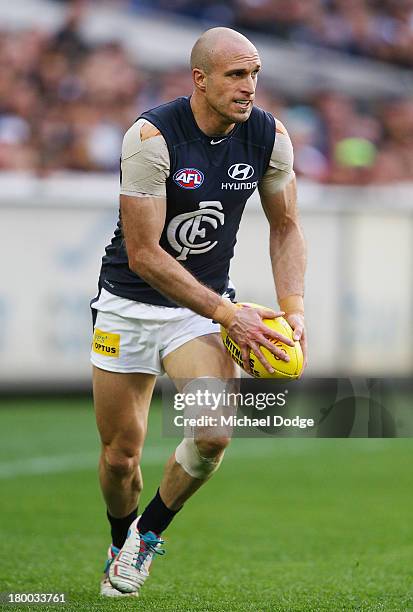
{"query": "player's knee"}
pixel 194 463
pixel 212 446
pixel 120 463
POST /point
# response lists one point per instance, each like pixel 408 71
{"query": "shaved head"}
pixel 225 67
pixel 217 44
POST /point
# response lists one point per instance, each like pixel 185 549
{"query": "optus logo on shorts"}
pixel 189 178
pixel 105 343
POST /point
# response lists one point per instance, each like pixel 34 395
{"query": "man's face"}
pixel 230 85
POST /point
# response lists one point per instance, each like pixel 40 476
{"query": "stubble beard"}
pixel 230 118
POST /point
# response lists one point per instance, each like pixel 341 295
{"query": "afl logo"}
pixel 189 178
pixel 240 172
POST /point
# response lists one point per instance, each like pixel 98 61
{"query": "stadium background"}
pixel 73 76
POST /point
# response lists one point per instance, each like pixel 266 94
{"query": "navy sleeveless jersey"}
pixel 209 183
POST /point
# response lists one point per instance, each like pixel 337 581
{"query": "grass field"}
pixel 286 525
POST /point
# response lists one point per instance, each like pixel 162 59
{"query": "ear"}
pixel 199 78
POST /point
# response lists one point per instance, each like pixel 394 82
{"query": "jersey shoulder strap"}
pixel 172 122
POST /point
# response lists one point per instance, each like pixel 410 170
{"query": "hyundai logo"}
pixel 241 172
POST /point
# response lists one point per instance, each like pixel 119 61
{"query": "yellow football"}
pixel 283 369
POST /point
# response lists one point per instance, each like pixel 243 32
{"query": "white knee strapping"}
pixel 189 458
pixel 187 453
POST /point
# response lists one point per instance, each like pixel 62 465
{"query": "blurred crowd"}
pixel 381 29
pixel 65 106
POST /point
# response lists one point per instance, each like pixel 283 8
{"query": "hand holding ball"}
pixel 282 369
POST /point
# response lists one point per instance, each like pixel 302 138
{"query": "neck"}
pixel 208 120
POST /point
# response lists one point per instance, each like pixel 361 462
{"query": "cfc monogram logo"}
pixel 184 231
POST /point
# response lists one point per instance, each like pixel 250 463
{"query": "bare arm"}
pixel 278 191
pixel 288 257
pixel 287 245
pixel 143 220
pixel 145 168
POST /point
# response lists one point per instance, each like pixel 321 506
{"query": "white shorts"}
pixel 131 336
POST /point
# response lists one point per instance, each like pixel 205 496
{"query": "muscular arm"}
pixel 278 193
pixel 287 245
pixel 143 219
pixel 145 168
